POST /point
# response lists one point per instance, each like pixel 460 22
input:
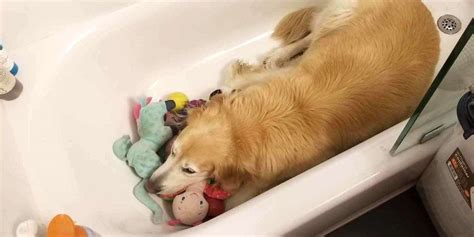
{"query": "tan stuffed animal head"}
pixel 190 207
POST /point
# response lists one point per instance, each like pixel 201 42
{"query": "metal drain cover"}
pixel 449 24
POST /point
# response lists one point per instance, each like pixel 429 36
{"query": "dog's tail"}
pixel 294 26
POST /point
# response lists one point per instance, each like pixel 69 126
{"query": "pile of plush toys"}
pixel 158 125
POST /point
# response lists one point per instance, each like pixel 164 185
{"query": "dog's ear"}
pixel 212 108
pixel 230 177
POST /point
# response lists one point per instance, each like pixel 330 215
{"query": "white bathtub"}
pixel 79 85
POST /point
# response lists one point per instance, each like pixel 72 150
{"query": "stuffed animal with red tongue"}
pixel 190 207
pixel 199 201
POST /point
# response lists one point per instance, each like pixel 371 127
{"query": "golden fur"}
pixel 362 72
pixel 294 26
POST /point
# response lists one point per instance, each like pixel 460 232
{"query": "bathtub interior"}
pixel 79 87
pixel 80 83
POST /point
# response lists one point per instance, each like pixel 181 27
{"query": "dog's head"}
pixel 206 148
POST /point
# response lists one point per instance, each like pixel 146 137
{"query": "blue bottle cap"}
pixel 14 69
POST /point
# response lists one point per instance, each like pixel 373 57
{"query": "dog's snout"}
pixel 151 187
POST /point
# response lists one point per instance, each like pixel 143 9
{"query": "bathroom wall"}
pixel 24 22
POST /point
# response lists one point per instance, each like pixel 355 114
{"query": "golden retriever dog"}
pixel 344 72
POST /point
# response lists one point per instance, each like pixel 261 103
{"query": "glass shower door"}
pixel 437 110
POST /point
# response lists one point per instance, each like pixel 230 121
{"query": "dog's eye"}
pixel 188 170
pixel 173 153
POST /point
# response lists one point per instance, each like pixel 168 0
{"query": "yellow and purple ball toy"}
pixel 180 100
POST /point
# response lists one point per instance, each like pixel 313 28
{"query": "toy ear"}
pixel 148 100
pixel 136 111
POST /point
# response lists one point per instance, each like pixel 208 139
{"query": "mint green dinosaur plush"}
pixel 141 155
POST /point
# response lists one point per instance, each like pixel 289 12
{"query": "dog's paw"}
pixel 226 90
pixel 234 72
pixel 238 67
pixel 276 59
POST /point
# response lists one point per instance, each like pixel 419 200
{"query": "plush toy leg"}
pixel 142 195
pixel 121 147
pixel 174 222
pixel 144 160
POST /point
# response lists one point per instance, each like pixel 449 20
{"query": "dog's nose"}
pixel 151 187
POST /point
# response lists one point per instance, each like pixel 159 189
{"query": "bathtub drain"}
pixel 449 24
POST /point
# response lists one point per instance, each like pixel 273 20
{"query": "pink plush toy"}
pixel 190 207
pixel 199 201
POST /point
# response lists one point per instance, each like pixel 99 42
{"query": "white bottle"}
pixel 7 81
pixel 8 70
pixel 7 62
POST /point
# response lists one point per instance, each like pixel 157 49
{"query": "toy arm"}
pixel 174 222
pixel 121 147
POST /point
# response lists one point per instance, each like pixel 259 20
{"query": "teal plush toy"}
pixel 141 155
